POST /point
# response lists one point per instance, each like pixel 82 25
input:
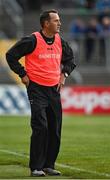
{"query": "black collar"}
pixel 47 39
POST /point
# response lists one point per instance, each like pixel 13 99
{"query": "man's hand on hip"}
pixel 25 80
pixel 61 82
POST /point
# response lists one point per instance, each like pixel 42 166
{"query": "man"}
pixel 48 61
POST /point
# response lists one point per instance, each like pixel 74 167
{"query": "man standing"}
pixel 48 61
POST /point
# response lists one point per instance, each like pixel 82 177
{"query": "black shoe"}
pixel 52 172
pixel 37 173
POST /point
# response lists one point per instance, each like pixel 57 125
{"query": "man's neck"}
pixel 47 34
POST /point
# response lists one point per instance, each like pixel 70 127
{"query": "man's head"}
pixel 50 21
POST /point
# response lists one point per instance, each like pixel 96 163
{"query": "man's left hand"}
pixel 61 82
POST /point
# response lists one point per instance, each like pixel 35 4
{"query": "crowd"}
pixel 91 31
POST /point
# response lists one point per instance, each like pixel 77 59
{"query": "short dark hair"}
pixel 45 16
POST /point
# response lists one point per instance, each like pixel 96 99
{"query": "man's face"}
pixel 54 23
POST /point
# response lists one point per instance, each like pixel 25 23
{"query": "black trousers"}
pixel 46 121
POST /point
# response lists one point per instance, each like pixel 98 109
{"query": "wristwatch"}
pixel 66 75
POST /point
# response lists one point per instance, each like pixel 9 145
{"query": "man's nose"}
pixel 59 23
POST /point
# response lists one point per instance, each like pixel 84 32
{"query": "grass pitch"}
pixel 84 152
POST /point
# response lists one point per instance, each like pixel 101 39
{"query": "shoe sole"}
pixel 50 174
pixel 36 175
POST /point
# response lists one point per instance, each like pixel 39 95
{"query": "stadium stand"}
pixel 12 18
pixel 97 70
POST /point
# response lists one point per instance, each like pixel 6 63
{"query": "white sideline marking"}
pixel 58 164
pixel 13 153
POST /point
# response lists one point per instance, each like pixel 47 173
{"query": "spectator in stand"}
pixel 105 27
pixel 101 5
pixel 93 30
pixel 104 34
pixel 77 29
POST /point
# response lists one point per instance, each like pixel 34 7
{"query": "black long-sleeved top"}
pixel 27 44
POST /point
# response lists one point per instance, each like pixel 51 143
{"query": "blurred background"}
pixel 85 25
pixel 85 144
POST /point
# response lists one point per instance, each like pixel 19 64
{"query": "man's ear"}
pixel 46 23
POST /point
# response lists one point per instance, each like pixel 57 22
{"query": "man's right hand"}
pixel 25 80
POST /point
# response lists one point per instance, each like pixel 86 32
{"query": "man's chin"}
pixel 58 30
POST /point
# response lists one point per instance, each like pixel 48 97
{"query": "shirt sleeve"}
pixel 68 59
pixel 23 47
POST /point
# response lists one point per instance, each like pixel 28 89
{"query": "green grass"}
pixel 85 147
